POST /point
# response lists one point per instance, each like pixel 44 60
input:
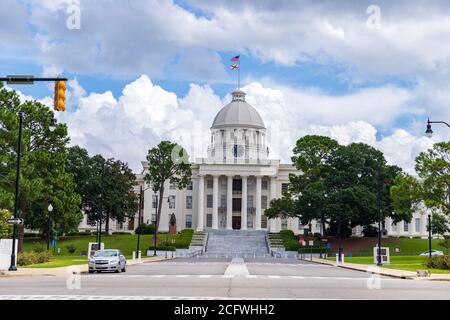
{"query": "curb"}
pixel 382 273
pixel 7 274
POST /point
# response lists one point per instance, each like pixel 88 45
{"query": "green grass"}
pixel 126 243
pixel 60 261
pixel 408 247
pixel 408 263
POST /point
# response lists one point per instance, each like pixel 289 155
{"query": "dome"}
pixel 238 113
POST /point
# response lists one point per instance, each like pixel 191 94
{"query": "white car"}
pixel 433 253
pixel 107 260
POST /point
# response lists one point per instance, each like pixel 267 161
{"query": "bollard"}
pixel 134 256
pixel 139 255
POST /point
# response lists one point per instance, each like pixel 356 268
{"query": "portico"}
pixel 233 201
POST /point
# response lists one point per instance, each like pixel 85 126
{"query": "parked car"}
pixel 433 253
pixel 107 260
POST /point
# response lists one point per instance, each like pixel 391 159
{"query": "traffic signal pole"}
pixel 27 79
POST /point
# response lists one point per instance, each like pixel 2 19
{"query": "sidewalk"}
pixel 64 271
pixel 396 273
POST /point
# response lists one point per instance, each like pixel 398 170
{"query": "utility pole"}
pixel 379 213
pixel 13 266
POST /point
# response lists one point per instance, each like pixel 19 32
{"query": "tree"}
pixel 433 167
pixel 406 196
pixel 43 178
pixel 5 228
pixel 167 162
pixel 440 226
pixel 119 198
pixel 338 185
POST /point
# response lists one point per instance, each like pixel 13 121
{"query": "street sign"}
pixel 15 221
pixel 311 242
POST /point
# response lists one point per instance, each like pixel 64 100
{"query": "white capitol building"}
pixel 234 184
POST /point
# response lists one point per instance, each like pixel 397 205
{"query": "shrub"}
pixel 438 262
pixel 145 229
pixel 120 232
pixel 163 248
pixel 370 231
pixel 38 248
pixel 71 248
pixel 287 234
pixel 291 245
pixel 27 258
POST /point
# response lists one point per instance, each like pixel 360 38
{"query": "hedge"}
pixel 27 258
pixel 438 262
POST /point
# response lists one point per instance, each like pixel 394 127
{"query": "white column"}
pixel 244 204
pixel 258 203
pixel 230 202
pixel 215 214
pixel 273 193
pixel 201 197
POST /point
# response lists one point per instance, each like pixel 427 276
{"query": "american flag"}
pixel 235 65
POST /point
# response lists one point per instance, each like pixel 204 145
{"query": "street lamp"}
pixel 379 212
pixel 101 207
pixel 429 235
pixel 50 209
pixel 429 131
pixel 52 125
pixel 13 266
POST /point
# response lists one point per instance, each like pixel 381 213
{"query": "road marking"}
pixel 274 277
pixel 104 297
pixel 296 277
pixel 205 276
pixel 251 276
pixel 182 276
pixel 228 276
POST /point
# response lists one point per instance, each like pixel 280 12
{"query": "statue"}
pixel 173 224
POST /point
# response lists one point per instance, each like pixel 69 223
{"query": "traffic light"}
pixel 60 95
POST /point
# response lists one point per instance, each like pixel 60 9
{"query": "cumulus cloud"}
pixel 144 114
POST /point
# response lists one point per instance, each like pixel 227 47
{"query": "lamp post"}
pixel 429 131
pixel 13 267
pixel 49 227
pixel 101 207
pixel 339 237
pixel 141 207
pixel 429 235
pixel 379 213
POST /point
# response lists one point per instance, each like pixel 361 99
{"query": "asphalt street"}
pixel 223 279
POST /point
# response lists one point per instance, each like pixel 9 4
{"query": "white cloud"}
pixel 145 114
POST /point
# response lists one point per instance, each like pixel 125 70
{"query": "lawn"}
pixel 409 263
pixel 126 243
pixel 408 247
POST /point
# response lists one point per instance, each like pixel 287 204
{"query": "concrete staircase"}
pixel 236 243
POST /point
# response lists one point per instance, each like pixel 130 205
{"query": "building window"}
pixel 405 226
pixel 263 222
pixel 188 202
pixel 172 186
pixel 153 218
pixel 189 185
pixel 223 201
pixel 284 187
pixel 154 201
pixel 301 227
pixel 209 200
pixel 209 220
pixel 171 202
pixel 250 201
pixel 264 202
pixel 283 224
pixel 264 185
pixel 223 183
pixel 318 227
pixel 417 224
pixel 209 184
pixel 189 221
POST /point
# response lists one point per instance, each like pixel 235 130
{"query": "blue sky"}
pixel 310 67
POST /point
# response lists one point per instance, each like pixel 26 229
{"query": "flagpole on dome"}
pixel 237 65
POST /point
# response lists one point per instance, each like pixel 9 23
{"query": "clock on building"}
pixel 238 151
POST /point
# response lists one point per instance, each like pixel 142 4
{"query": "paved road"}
pixel 206 279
